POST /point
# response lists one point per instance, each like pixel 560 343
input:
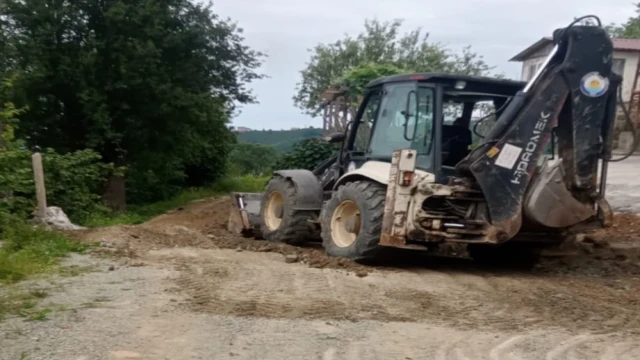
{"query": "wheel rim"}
pixel 274 211
pixel 345 223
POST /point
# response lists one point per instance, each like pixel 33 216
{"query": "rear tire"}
pixel 279 221
pixel 352 221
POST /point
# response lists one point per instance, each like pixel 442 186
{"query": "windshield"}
pixel 395 128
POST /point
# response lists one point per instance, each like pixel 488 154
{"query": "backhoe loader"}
pixel 408 176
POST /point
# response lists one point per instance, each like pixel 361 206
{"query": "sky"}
pixel 286 29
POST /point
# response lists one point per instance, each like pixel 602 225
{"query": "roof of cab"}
pixel 501 85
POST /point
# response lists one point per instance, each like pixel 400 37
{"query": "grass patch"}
pixel 36 315
pixel 28 250
pixel 39 294
pixel 141 213
pixel 110 219
pixel 74 270
pixel 246 183
pixel 23 304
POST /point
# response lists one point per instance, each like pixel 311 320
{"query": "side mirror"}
pixel 335 138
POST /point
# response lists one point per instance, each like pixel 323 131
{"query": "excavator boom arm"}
pixel 574 97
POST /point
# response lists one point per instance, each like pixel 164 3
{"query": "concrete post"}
pixel 38 177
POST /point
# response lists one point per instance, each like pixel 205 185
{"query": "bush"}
pixel 73 182
pixel 152 180
pixel 17 192
pixel 137 214
pixel 246 183
pixel 307 154
pixel 252 159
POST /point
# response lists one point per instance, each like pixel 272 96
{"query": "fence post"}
pixel 38 177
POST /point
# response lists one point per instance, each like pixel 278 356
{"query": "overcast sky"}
pixel 285 29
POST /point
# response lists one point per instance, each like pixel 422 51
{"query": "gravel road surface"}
pixel 181 287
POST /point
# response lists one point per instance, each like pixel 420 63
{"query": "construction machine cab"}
pixel 437 115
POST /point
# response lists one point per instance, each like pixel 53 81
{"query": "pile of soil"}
pixel 601 252
pixel 203 224
pixel 624 230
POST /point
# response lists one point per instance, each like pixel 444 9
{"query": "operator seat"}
pixel 456 140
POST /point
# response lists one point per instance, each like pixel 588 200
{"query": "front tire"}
pixel 352 221
pixel 279 221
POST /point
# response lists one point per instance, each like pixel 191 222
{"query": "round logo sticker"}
pixel 593 84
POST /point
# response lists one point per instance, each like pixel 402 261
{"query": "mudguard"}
pixel 245 217
pixel 308 189
pixel 377 171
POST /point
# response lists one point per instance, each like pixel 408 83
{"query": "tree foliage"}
pixel 252 159
pixel 354 81
pixel 281 140
pixel 628 30
pixel 380 43
pixel 306 154
pixel 72 180
pixel 148 84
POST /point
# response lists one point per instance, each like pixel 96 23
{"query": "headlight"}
pixel 352 166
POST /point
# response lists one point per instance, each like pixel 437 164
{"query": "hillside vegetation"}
pixel 281 140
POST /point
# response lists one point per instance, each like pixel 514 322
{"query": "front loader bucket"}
pixel 244 218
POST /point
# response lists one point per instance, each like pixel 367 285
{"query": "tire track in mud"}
pixel 267 287
pixel 446 311
pixel 455 293
pixel 537 345
pixel 555 301
pixel 500 351
pixel 622 351
pixel 452 350
pixel 276 292
pixel 566 350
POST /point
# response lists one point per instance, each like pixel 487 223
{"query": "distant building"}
pixel 626 62
pixel 243 129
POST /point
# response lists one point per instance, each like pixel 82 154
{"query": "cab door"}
pixel 354 153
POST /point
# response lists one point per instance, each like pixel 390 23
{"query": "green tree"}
pixel 148 84
pixel 281 140
pixel 354 81
pixel 380 43
pixel 307 154
pixel 253 159
pixel 72 179
pixel 628 30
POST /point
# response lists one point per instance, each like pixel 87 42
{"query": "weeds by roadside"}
pixel 139 214
pixel 27 250
pixel 23 303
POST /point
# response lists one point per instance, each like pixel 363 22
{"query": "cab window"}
pixel 404 121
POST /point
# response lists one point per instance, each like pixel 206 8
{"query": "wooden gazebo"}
pixel 337 111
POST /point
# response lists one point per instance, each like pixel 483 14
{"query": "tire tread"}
pixel 372 196
pixel 296 228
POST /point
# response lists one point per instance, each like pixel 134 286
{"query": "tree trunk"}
pixel 115 193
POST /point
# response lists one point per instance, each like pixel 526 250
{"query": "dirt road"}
pixel 181 287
